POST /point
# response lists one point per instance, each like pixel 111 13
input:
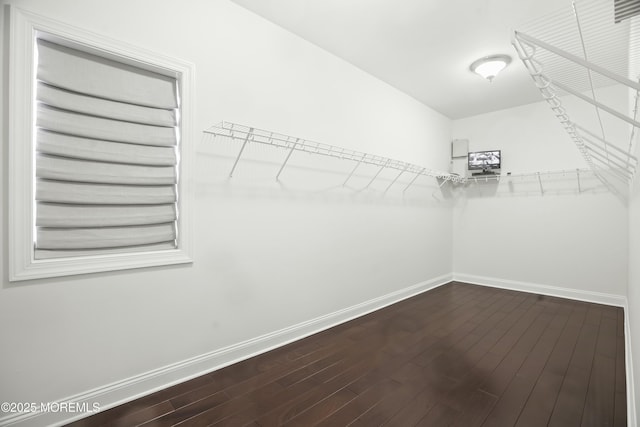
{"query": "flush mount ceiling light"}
pixel 489 66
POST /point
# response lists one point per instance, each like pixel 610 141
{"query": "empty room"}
pixel 320 212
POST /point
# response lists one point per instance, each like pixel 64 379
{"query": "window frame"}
pixel 24 28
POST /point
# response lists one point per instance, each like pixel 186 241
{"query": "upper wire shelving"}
pixel 579 174
pixel 578 51
pixel 248 134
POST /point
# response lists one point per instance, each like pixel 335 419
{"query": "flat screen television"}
pixel 484 160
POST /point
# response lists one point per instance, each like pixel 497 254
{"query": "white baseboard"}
pixel 632 420
pixel 132 388
pixel 554 291
pixel 588 296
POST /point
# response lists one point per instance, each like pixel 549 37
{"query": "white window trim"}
pixel 24 28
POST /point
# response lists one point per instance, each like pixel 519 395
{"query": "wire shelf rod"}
pixel 376 175
pixel 235 163
pixel 578 179
pixel 624 164
pixel 589 9
pixel 596 103
pixel 285 162
pixel 540 183
pixel 633 130
pixel 611 163
pixel 623 173
pixel 608 184
pixel 613 147
pixel 352 172
pixel 599 55
pixel 549 173
pixel 394 180
pixel 600 70
pixel 412 181
pixel 614 173
pixel 586 58
pixel 628 171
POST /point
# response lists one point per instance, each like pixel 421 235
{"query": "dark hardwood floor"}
pixel 459 355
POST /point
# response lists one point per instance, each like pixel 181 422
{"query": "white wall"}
pixel 633 290
pixel 634 283
pixel 268 255
pixel 634 236
pixel 514 233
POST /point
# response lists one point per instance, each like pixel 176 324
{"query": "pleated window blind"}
pixel 106 158
pixel 99 152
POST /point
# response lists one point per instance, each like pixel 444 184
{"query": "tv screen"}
pixel 484 160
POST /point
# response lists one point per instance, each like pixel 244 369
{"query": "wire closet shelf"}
pixel 248 134
pixel 579 174
pixel 578 51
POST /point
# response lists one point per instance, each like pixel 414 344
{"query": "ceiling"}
pixel 421 47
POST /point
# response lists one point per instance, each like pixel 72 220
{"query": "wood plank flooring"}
pixel 459 355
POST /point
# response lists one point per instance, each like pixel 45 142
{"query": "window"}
pixel 97 153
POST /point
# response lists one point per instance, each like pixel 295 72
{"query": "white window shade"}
pixel 79 99
pixel 103 150
pixel 103 78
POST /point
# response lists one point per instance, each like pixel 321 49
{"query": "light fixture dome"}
pixel 489 66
